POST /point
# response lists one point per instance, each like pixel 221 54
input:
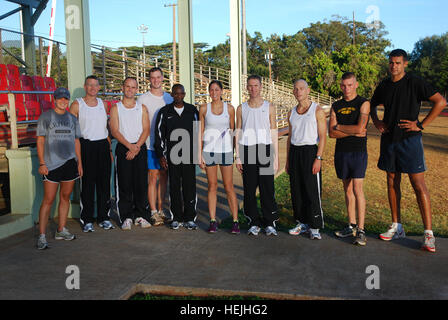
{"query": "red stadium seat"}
pixel 3 96
pixel 50 86
pixel 14 85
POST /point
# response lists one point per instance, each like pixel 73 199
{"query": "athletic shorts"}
pixel 153 161
pixel 213 159
pixel 350 165
pixel 405 156
pixel 67 172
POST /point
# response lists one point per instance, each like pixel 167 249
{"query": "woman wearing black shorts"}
pixel 59 153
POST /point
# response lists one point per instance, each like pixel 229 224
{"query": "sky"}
pixel 114 23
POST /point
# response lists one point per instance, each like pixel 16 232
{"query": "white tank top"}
pixel 92 120
pixel 304 127
pixel 130 121
pixel 256 126
pixel 217 137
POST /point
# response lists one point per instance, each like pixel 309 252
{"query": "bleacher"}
pixel 28 106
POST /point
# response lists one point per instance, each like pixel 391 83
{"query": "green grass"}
pixel 335 216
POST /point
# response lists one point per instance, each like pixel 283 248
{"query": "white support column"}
pixel 235 51
pixel 186 49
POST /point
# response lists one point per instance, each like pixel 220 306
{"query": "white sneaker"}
pixel 395 232
pixel 315 235
pixel 299 229
pixel 142 222
pixel 254 230
pixel 429 242
pixel 270 231
pixel 126 224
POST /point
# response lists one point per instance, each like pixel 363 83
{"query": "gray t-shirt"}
pixel 60 132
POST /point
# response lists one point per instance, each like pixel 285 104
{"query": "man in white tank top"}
pixel 305 146
pixel 155 99
pixel 96 156
pixel 257 157
pixel 129 124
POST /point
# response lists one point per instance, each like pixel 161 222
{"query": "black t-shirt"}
pixel 401 100
pixel 347 113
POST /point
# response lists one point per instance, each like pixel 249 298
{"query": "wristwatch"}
pixel 319 158
pixel 419 125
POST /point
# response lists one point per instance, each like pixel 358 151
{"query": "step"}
pixel 11 224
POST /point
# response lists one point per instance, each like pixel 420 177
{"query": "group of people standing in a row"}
pixel 161 138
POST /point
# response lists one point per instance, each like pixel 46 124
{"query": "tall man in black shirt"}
pixel 401 140
pixel 348 121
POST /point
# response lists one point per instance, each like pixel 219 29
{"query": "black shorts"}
pixel 405 156
pixel 213 159
pixel 350 165
pixel 67 172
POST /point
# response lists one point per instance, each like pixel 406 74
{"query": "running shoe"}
pixel 315 235
pixel 395 232
pixel 143 223
pixel 270 231
pixel 213 227
pixel 235 228
pixel 106 225
pixel 126 225
pixel 175 225
pixel 429 242
pixel 360 238
pixel 88 228
pixel 157 218
pixel 42 242
pixel 299 229
pixel 348 231
pixel 254 230
pixel 64 235
pixel 190 225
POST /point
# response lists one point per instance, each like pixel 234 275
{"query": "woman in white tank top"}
pixel 216 148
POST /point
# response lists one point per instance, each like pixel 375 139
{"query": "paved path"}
pixel 112 263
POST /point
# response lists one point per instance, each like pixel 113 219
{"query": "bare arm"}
pixel 239 121
pixel 40 143
pixel 322 133
pixel 78 156
pixel 288 143
pixel 274 135
pixel 360 127
pixel 202 113
pixel 74 108
pixel 439 105
pixel 146 126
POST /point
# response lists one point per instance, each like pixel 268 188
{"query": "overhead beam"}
pixel 30 3
pixel 39 10
pixel 6 15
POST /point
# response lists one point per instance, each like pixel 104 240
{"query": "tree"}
pixel 429 59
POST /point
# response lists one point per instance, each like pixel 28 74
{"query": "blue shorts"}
pixel 350 165
pixel 405 156
pixel 213 159
pixel 153 161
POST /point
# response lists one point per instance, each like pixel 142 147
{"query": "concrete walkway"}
pixel 113 264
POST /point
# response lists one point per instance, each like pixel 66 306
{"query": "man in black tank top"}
pixel 348 121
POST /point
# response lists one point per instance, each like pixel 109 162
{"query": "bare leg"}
pixel 360 201
pixel 394 195
pixel 212 177
pixel 161 189
pixel 423 199
pixel 152 188
pixel 350 200
pixel 227 177
pixel 64 202
pixel 50 190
